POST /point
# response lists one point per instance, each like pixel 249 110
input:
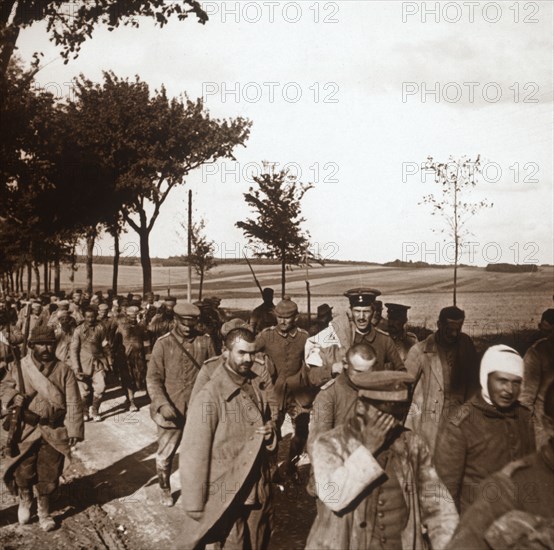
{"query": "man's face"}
pixel 36 309
pixel 169 307
pixel 286 324
pixel 77 298
pixel 547 329
pixel 102 314
pixel 396 326
pixel 362 317
pixel 90 318
pixel 240 357
pixel 132 317
pixel 44 352
pixel 449 330
pixel 503 389
pixel 359 364
pixel 185 325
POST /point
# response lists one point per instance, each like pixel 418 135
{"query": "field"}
pixel 495 303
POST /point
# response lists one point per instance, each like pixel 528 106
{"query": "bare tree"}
pixel 457 178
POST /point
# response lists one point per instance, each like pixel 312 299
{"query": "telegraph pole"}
pixel 189 250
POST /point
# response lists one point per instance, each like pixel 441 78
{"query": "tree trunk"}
pixel 37 279
pixel 283 275
pixel 17 279
pixel 91 236
pixel 57 275
pixel 12 286
pixel 145 259
pixel 201 284
pixel 115 271
pixel 29 278
pixel 45 277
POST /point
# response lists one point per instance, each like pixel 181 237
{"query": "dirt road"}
pixel 110 495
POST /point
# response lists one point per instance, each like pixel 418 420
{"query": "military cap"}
pixel 63 304
pixel 62 313
pixel 324 309
pixel 103 307
pixel 232 325
pixel 42 334
pixel 286 308
pixel 132 310
pixel 384 385
pixel 548 316
pixel 360 297
pixel 171 299
pixel 187 309
pixel 214 299
pixel 157 304
pixel 397 311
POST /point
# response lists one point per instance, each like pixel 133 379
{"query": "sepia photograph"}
pixel 276 275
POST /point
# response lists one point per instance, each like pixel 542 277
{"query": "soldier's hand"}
pixel 267 430
pixel 168 412
pixel 195 515
pixel 375 431
pixel 18 400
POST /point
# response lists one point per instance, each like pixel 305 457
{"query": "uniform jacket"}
pixel 287 354
pixel 55 398
pixel 330 345
pixel 220 450
pixel 404 344
pixel 425 362
pixel 526 484
pixel 9 339
pixel 344 469
pixel 262 367
pixel 537 376
pixel 479 441
pixel 171 374
pixel 87 353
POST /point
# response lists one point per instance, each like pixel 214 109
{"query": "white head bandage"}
pixel 499 358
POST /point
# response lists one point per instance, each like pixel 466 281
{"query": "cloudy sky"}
pixel 355 95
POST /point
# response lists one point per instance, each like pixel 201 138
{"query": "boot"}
pixel 45 520
pixel 165 491
pixel 24 508
pixel 94 409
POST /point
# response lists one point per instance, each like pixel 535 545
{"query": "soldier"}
pixel 224 465
pixel 129 355
pixel 53 423
pixel 89 363
pixel 324 317
pixel 526 485
pixel 377 317
pixel 75 306
pixel 328 348
pixel 164 321
pixel 376 479
pixel 447 372
pixel 284 344
pixel 397 317
pixel 63 329
pixel 539 373
pixel 491 429
pixel 10 338
pixel 63 305
pixel 263 316
pixel 35 318
pixel 172 371
pixel 212 320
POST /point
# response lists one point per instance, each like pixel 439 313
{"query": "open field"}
pixel 495 303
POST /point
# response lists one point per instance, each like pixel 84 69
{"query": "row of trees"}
pixel 107 159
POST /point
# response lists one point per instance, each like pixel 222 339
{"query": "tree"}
pixel 202 252
pixel 150 143
pixel 71 23
pixel 277 225
pixel 457 178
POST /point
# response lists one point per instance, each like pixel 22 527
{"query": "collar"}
pixel 491 411
pixel 232 382
pixel 292 333
pixel 44 368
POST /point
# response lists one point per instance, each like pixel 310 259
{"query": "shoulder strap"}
pixel 184 350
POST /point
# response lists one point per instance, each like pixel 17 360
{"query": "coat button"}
pixel 380 514
pixel 363 524
pixel 383 539
pixel 380 502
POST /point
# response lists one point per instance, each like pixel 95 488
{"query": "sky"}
pixel 353 96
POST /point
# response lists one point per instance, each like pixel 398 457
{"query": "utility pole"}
pixel 189 250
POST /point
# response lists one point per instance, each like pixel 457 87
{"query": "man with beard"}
pixel 64 327
pixel 224 458
pixel 129 355
pixel 176 359
pixel 52 423
pixel 491 429
pixel 446 369
pixel 375 478
pixel 327 349
pixel 89 362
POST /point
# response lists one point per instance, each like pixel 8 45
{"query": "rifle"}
pixel 253 275
pixel 27 329
pixel 14 423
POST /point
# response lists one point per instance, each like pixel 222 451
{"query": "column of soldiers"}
pixel 401 434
